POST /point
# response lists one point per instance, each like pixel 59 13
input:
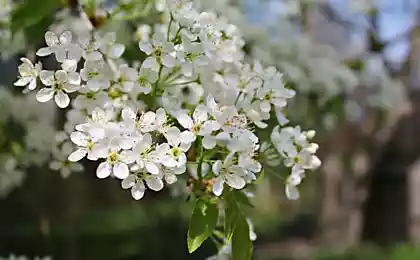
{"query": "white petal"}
pixel 76 167
pixel 61 99
pixel 209 142
pixel 22 81
pixel 120 170
pixel 292 192
pixel 152 168
pixel 168 161
pixel 154 183
pixel 151 63
pixel 187 69
pixel 78 138
pixel 60 76
pixel 187 137
pixel 50 38
pixel 235 181
pixel 93 56
pixel 32 84
pixel 146 47
pixel 65 172
pixel 137 191
pixel 206 128
pixel 185 121
pixel 200 114
pixel 281 118
pixel 96 132
pixel 128 182
pixel 70 88
pixel 60 54
pixel 218 186
pixel 216 167
pixel 93 85
pixel 104 170
pixel 172 135
pixel 169 61
pixel 98 151
pixel 47 77
pixel 45 94
pixel 55 165
pixel 69 65
pixel 77 155
pixel 170 178
pixel 116 51
pixel 44 51
pixel 265 106
pixel 65 37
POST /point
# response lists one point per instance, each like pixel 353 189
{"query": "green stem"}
pixel 169 28
pixel 155 87
pixel 200 160
pixel 177 32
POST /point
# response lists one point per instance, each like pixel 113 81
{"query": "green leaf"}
pixel 241 243
pixel 31 12
pixel 243 199
pixel 202 223
pixel 231 214
pixel 260 177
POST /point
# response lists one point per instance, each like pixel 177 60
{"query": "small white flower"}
pixel 116 164
pixel 160 51
pixel 136 182
pixel 109 47
pixel 61 46
pixel 60 83
pixel 96 74
pixel 145 80
pixel 61 162
pixel 87 145
pixel 143 32
pixel 229 173
pixel 145 157
pixel 173 153
pixel 90 48
pixel 170 174
pixel 199 124
pixel 28 74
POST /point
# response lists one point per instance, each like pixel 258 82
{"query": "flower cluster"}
pixel 316 65
pixel 192 103
pixel 299 153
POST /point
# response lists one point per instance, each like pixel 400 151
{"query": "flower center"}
pixel 175 152
pixel 90 95
pixel 112 158
pixel 92 74
pixel 191 56
pixel 196 128
pixel 142 80
pixel 90 145
pixel 114 93
pixel 158 51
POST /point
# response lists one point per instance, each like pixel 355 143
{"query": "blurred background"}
pixel 355 66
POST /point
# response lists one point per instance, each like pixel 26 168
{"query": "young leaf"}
pixel 29 13
pixel 241 243
pixel 231 214
pixel 260 177
pixel 243 199
pixel 202 223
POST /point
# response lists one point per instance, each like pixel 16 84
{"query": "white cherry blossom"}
pixel 229 173
pixel 28 74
